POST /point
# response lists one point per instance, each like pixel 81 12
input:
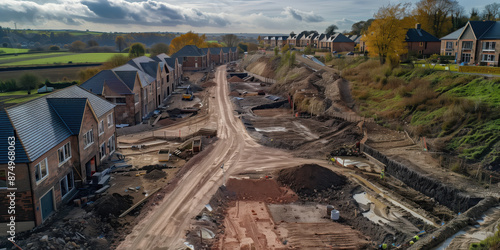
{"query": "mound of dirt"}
pixel 310 178
pixel 209 84
pixel 155 175
pixel 114 204
pixel 234 93
pixel 260 190
pixel 235 79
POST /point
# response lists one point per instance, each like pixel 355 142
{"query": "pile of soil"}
pixel 150 168
pixel 310 178
pixel 209 84
pixel 155 175
pixel 114 204
pixel 235 79
pixel 234 93
pixel 261 190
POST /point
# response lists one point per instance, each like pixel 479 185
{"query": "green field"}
pixel 61 58
pixel 13 50
pixel 6 59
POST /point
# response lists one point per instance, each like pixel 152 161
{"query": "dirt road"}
pixel 166 225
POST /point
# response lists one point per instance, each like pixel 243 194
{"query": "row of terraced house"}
pixel 59 140
pixel 475 43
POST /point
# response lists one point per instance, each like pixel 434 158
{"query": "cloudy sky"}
pixel 209 16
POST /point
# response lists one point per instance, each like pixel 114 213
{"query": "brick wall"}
pixel 24 204
pixel 86 154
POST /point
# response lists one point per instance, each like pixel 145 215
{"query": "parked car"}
pixel 350 53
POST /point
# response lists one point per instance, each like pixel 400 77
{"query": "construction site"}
pixel 235 161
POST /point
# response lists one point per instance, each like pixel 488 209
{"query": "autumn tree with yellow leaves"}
pixel 386 35
pixel 189 38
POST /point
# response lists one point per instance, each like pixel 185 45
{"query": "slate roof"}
pixel 6 131
pixel 70 110
pixel 170 62
pixel 41 123
pixel 136 62
pixel 144 78
pixel 339 38
pixel 482 29
pixel 188 50
pixel 95 83
pixel 420 35
pixel 128 78
pixel 454 35
pixel 493 32
pixel 150 68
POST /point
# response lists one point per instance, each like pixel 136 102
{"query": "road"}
pixel 165 226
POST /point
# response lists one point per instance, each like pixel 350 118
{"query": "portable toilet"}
pixel 335 215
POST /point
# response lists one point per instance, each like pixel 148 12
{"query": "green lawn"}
pixel 4 59
pixel 13 50
pixel 19 92
pixel 451 67
pixel 69 57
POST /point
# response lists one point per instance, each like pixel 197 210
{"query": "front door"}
pixel 465 57
pixel 47 204
pixel 89 167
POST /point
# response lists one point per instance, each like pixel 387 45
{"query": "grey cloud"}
pixel 309 17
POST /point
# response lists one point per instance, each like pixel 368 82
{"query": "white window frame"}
pixel 110 120
pixel 111 144
pixel 101 127
pixel 66 153
pixel 102 150
pixel 67 184
pixel 38 168
pixel 3 178
pixel 489 46
pixel 88 138
pixel 450 45
pixel 489 58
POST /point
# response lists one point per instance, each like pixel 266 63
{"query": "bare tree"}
pixel 230 40
pixel 491 11
pixel 120 43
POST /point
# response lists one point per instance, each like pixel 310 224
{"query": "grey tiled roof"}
pixel 188 50
pixel 493 32
pixel 340 38
pixel 480 27
pixel 128 77
pixel 95 83
pixel 6 131
pixel 70 110
pixel 453 35
pixel 99 105
pixel 420 35
pixel 41 127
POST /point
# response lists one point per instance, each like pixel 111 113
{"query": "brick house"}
pixel 136 88
pixel 339 42
pixel 475 43
pixel 421 42
pixel 294 40
pixel 282 41
pixel 173 65
pixel 192 57
pixel 60 140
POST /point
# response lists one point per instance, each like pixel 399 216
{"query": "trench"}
pixel 445 195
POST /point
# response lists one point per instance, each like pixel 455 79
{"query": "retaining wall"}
pixel 445 195
pixel 456 224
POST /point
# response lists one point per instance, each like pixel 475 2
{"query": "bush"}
pixel 54 48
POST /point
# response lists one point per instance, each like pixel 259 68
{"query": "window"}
pixel 467 45
pixel 196 58
pixel 120 100
pixel 102 151
pixel 145 93
pixel 487 58
pixel 88 138
pixel 136 98
pixel 449 45
pixel 111 144
pixel 421 44
pixel 3 178
pixel 489 46
pixel 110 119
pixel 64 153
pixel 67 184
pixel 41 170
pixel 448 54
pixel 101 127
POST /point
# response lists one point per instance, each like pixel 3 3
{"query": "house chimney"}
pixel 417 26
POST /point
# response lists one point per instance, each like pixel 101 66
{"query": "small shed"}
pixel 164 155
pixel 196 145
pixel 45 89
